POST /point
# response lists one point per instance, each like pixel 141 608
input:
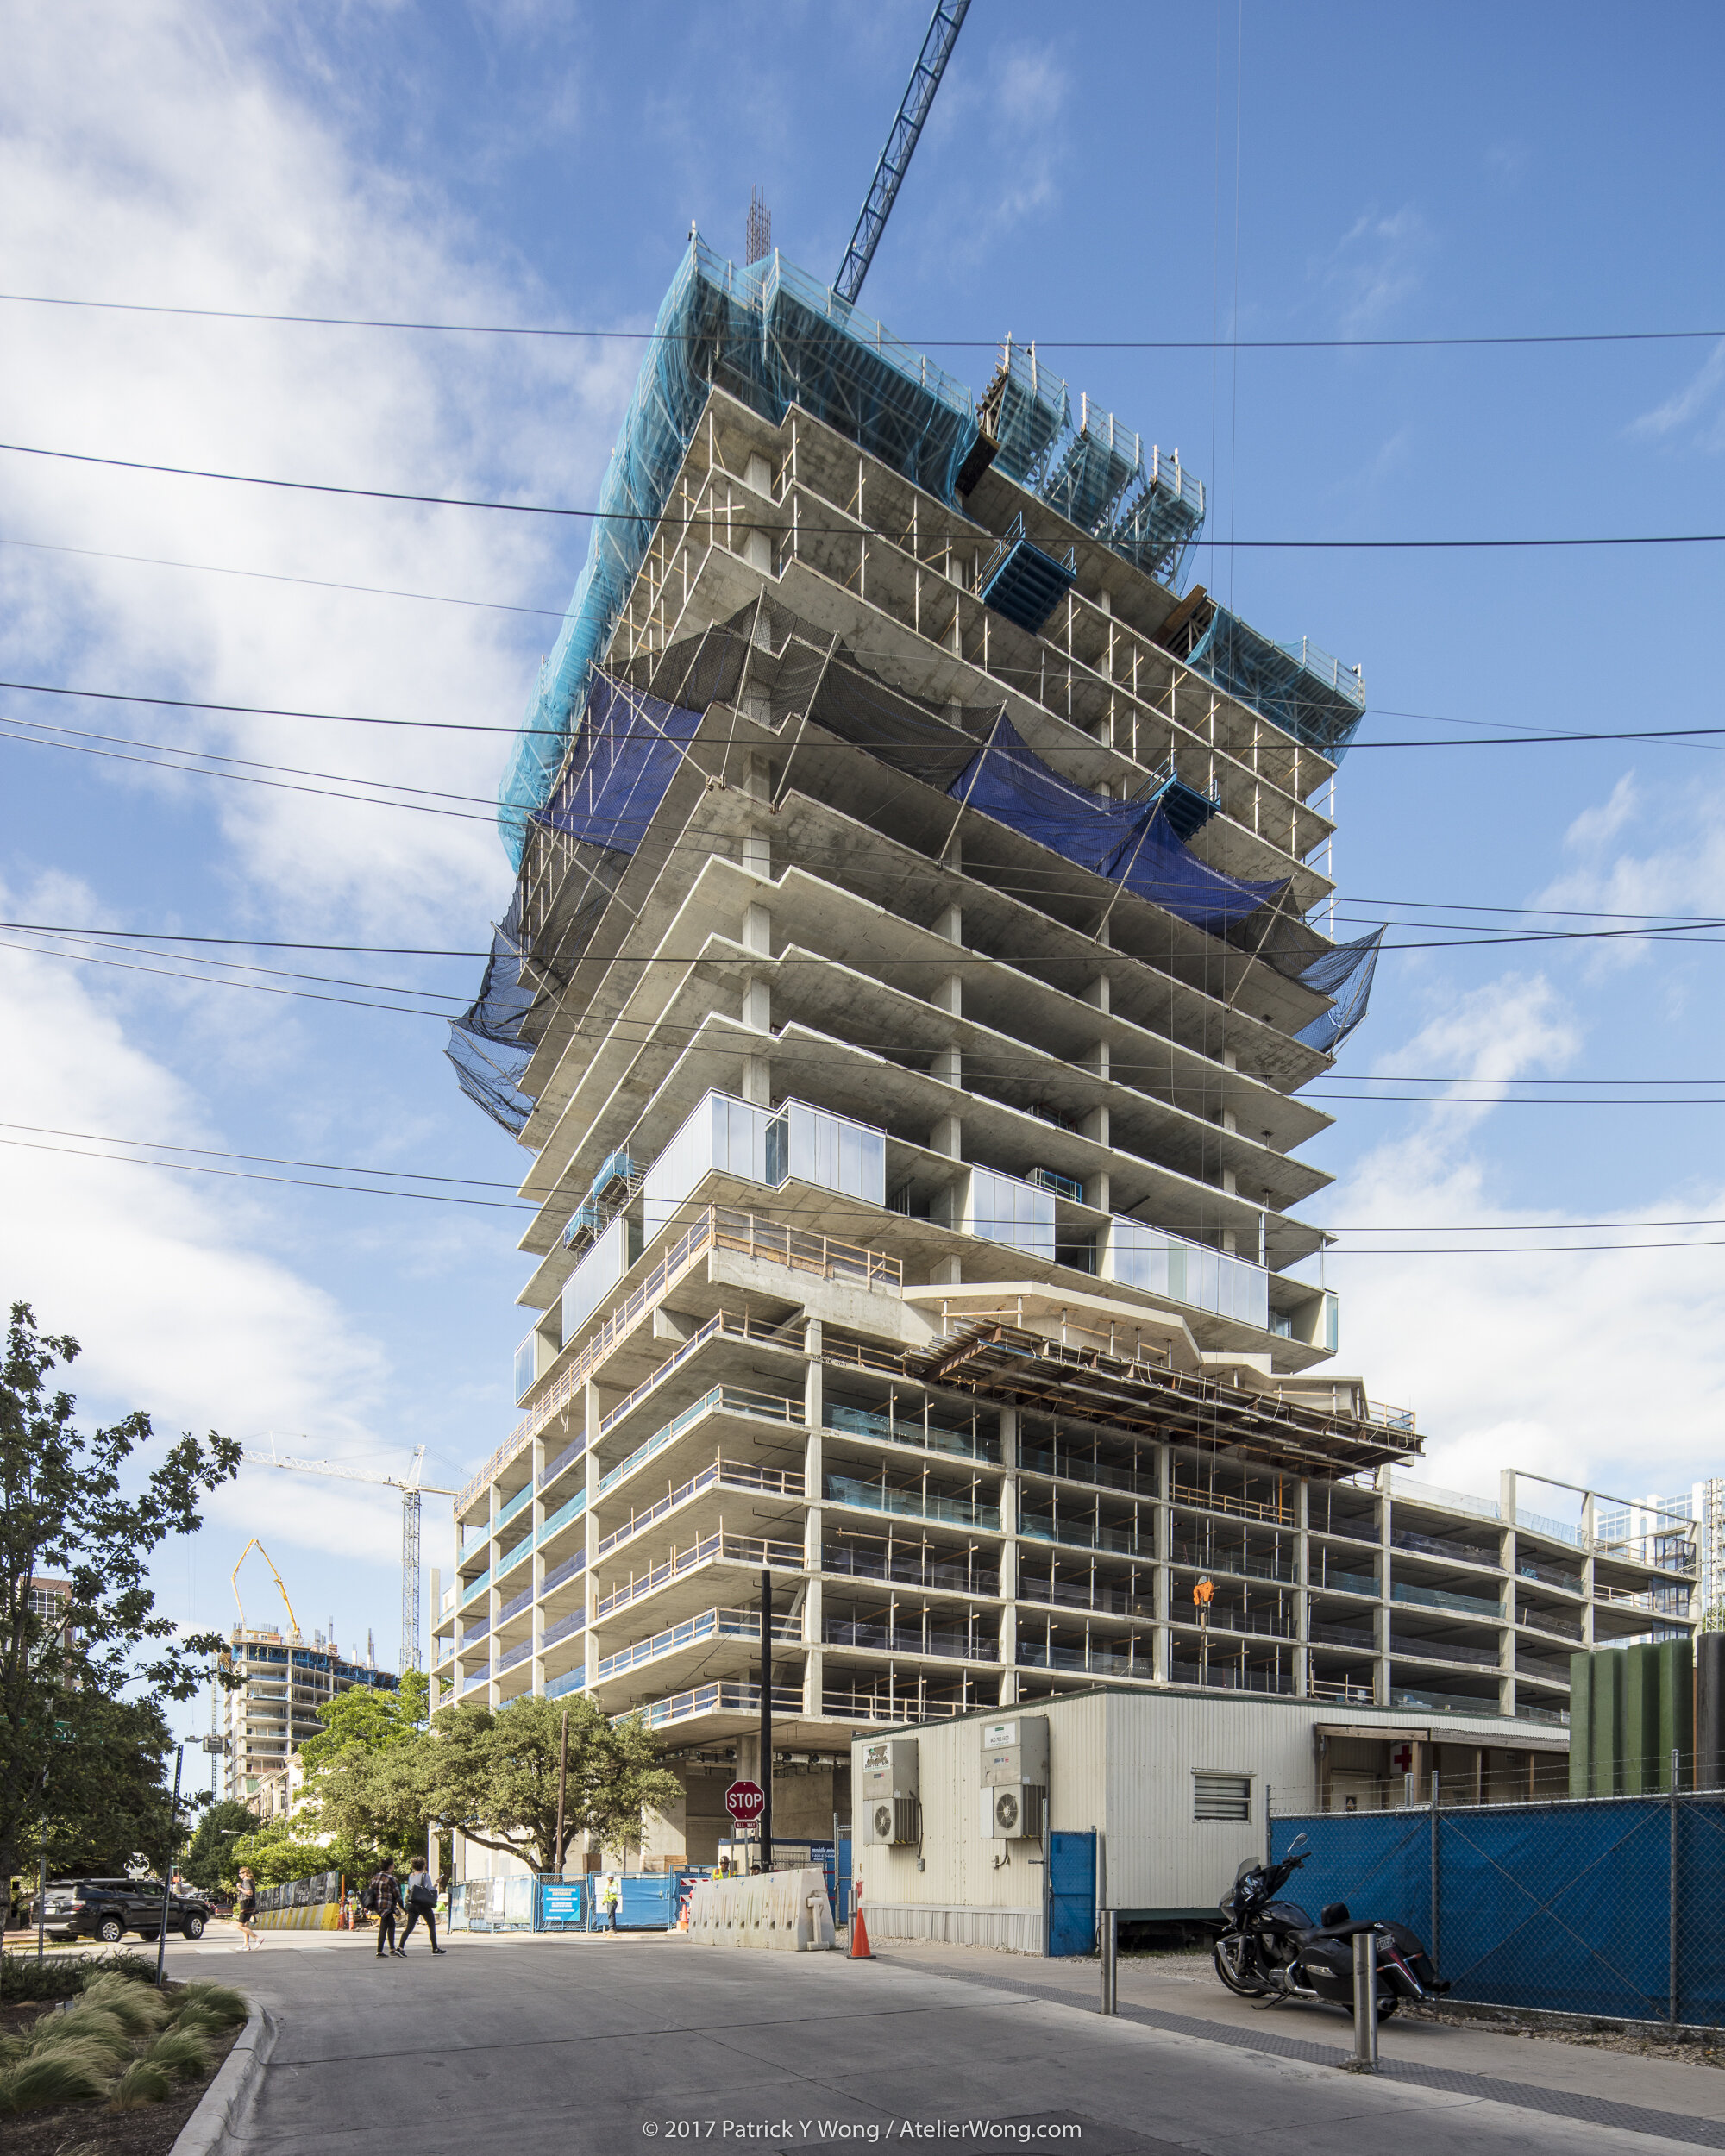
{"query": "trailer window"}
pixel 1221 1797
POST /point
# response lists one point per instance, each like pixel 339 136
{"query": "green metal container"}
pixel 1630 1709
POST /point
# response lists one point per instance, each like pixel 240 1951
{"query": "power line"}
pixel 711 523
pixel 427 1197
pixel 315 583
pixel 944 344
pixel 240 1175
pixel 269 1160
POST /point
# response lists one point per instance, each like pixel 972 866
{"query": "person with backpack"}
pixel 382 1900
pixel 422 1900
pixel 246 1907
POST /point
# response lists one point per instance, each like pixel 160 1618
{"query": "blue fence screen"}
pixel 1564 1907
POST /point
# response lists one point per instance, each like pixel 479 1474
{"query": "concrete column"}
pixel 1380 1615
pixel 1162 1639
pixel 1303 1600
pixel 537 1565
pixel 814 1416
pixel 1009 1555
pixel 592 1410
pixel 948 1136
pixel 1506 1638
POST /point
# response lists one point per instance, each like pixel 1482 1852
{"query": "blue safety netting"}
pixel 773 337
pixel 1132 842
pixel 485 1043
pixel 1345 974
pixel 1295 686
pixel 624 758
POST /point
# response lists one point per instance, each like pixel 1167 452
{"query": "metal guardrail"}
pixel 755 1551
pixel 723 1474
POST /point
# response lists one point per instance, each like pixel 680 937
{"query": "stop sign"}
pixel 745 1802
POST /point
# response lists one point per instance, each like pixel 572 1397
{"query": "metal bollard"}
pixel 1107 1953
pixel 1365 2059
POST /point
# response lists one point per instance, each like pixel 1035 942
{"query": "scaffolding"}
pixel 772 336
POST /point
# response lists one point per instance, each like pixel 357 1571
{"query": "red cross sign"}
pixel 1402 1758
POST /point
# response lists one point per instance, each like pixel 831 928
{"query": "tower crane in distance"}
pixel 901 142
pixel 412 1487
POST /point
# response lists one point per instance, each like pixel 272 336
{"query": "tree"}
pixel 365 1778
pixel 494 1774
pixel 279 1851
pixel 105 1795
pixel 64 1515
pixel 209 1862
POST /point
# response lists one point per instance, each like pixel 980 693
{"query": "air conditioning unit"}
pixel 1012 1811
pixel 892 1822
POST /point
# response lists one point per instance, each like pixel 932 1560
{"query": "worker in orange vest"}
pixel 1203 1592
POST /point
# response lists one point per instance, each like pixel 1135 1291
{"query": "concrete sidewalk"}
pixel 1183 1992
pixel 594 2044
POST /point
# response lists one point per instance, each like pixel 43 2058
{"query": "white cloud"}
pixel 1376 265
pixel 170 1285
pixel 1678 870
pixel 150 154
pixel 1687 404
pixel 1606 1366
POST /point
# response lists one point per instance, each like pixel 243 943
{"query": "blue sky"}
pixel 1099 172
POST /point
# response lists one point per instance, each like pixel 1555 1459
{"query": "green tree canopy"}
pixel 64 1515
pixel 208 1862
pixel 365 1775
pixel 493 1773
pixel 105 1796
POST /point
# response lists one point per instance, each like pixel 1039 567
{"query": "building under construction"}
pixel 274 1711
pixel 915 965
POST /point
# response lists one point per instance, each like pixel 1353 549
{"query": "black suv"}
pixel 109 1908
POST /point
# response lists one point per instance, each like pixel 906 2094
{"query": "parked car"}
pixel 109 1908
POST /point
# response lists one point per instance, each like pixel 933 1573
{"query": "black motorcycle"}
pixel 1272 1950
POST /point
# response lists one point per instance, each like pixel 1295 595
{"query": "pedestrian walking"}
pixel 246 1907
pixel 610 1894
pixel 422 1900
pixel 383 1897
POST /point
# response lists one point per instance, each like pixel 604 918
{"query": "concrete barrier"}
pixel 786 1910
pixel 309 1916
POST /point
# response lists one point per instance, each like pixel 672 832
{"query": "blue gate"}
pixel 1071 1894
pixel 841 1900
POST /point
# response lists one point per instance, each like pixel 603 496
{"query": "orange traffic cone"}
pixel 860 1948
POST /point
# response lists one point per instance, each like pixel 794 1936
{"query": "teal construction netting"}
pixel 1296 686
pixel 773 337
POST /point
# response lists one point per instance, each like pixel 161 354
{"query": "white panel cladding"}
pixel 724 1134
pixel 1164 1264
pixel 832 1151
pixel 1001 1209
pixel 765 1145
pixel 599 1272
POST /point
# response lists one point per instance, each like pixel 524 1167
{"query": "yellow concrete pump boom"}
pixel 293 1623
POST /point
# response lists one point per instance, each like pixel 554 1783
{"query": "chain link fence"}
pixel 1607 1906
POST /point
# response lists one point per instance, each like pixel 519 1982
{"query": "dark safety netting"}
pixel 1132 843
pixel 625 756
pixel 485 1043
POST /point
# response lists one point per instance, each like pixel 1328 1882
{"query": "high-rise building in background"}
pixel 266 1718
pixel 919 952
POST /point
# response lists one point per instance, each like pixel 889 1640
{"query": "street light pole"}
pixel 167 1870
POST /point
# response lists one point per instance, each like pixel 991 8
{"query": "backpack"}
pixel 368 1899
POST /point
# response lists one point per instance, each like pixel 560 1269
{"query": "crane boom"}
pixel 411 1489
pixel 889 174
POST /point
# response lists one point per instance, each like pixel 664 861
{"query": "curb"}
pixel 228 2099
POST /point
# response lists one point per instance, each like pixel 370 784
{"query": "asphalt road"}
pixel 511 2048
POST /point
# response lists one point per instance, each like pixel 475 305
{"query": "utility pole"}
pixel 167 1868
pixel 766 1719
pixel 562 1790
